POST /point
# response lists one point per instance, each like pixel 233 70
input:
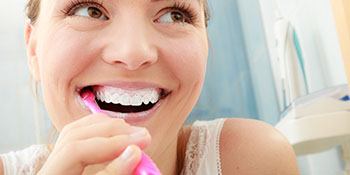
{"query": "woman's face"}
pixel 129 53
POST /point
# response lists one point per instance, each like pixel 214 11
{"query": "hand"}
pixel 97 139
pixel 124 164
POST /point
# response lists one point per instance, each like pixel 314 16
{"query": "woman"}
pixel 145 62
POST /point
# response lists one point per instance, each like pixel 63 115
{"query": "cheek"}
pixel 64 54
pixel 187 58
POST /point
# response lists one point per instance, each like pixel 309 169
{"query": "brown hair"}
pixel 33 10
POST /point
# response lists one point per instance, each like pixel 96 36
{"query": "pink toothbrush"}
pixel 146 165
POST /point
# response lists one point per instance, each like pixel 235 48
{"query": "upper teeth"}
pixel 127 97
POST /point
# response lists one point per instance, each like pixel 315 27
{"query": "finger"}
pixel 89 119
pixel 101 129
pixel 85 121
pixel 99 150
pixel 125 164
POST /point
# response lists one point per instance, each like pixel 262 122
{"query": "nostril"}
pixel 146 63
pixel 136 64
pixel 130 62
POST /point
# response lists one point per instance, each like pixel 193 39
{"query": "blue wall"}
pixel 239 78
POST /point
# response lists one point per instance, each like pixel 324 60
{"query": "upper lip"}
pixel 129 86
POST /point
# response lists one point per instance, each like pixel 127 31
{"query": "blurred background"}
pixel 264 56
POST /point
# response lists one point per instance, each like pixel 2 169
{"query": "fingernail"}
pixel 139 134
pixel 127 153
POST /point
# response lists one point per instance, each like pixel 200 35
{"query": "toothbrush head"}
pixel 88 98
pixel 87 95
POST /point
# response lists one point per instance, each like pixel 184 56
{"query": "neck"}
pixel 166 160
pixel 171 160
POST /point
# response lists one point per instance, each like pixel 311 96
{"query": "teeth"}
pixel 147 99
pixel 136 100
pixel 124 100
pixel 127 97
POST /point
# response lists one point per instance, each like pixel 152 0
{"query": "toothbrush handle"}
pixel 146 166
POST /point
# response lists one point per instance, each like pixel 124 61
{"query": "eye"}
pixel 173 17
pixel 90 12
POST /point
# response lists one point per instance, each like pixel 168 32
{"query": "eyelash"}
pixel 75 4
pixel 182 7
pixel 186 9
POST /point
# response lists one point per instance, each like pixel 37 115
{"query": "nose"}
pixel 130 47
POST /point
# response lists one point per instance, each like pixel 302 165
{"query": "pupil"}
pixel 94 12
pixel 176 16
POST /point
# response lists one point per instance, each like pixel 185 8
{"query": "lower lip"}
pixel 135 117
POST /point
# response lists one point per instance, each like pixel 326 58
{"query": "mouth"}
pixel 127 103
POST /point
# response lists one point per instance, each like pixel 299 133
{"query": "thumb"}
pixel 125 164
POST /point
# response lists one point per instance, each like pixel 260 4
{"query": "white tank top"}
pixel 203 149
pixel 202 153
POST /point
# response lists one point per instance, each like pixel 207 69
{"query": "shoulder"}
pixel 252 147
pixel 27 160
pixel 1 167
